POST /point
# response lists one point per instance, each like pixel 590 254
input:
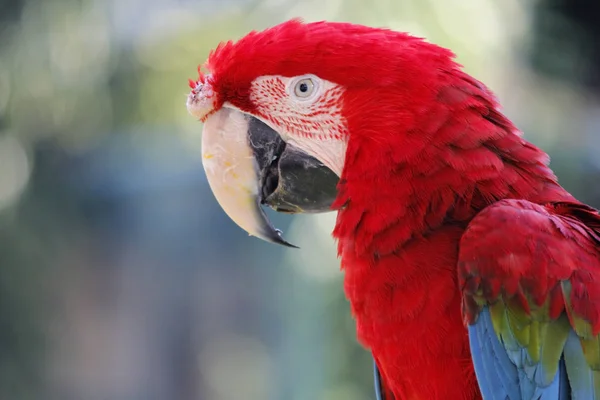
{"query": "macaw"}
pixel 470 272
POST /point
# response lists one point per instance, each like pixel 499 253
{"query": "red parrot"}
pixel 471 273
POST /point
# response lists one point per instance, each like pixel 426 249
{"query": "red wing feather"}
pixel 530 279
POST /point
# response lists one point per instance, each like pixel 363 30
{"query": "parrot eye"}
pixel 304 88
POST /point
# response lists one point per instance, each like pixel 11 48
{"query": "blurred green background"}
pixel 120 276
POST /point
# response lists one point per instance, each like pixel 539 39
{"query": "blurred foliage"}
pixel 122 279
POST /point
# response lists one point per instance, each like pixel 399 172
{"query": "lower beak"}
pixel 248 164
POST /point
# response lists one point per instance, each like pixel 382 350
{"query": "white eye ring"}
pixel 305 88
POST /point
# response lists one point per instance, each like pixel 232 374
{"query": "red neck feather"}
pixel 450 155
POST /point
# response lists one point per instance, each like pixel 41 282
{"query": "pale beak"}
pixel 232 173
pixel 248 164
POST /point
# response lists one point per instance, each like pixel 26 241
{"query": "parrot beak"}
pixel 248 164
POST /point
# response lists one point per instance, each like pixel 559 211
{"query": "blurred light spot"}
pixel 236 367
pixel 481 31
pixel 79 46
pixel 516 15
pixel 14 170
pixel 157 48
pixel 317 257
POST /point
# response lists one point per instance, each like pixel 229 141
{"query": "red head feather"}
pixel 347 54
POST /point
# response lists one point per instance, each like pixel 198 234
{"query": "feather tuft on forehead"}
pixel 200 80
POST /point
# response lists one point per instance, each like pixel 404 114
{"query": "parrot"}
pixel 470 272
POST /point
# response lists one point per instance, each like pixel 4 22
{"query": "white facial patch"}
pixel 307 112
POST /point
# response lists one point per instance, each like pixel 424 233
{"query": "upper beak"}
pixel 248 164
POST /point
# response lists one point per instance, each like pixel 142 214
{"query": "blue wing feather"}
pixel 564 390
pixel 582 378
pixel 496 373
pixel 510 375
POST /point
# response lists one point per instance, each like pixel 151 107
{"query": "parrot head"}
pixel 293 112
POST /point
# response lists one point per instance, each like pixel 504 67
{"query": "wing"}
pixel 530 279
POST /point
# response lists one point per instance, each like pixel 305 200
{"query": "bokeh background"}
pixel 120 277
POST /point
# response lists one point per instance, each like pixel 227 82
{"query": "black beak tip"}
pixel 268 231
pixel 278 238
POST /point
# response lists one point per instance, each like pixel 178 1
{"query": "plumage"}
pixel 520 287
pixel 470 271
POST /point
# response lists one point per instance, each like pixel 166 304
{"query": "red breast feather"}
pixel 413 179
